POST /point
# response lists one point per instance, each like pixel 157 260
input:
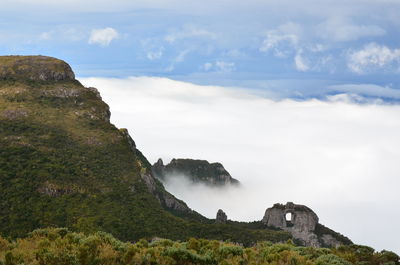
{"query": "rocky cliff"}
pixel 197 171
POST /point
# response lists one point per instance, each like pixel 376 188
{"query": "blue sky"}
pixel 296 49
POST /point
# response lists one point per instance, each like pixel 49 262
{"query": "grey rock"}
pixel 12 114
pixel 53 190
pixel 129 139
pixel 174 204
pixel 62 92
pixel 221 217
pixel 95 92
pixel 149 181
pixel 329 240
pixel 301 222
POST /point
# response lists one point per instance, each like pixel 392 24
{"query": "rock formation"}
pixel 303 224
pixel 35 68
pixel 221 217
pixel 198 171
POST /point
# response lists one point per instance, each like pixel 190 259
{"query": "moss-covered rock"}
pixel 36 68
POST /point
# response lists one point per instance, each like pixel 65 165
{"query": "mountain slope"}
pixel 62 163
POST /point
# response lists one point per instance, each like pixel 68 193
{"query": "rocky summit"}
pixel 35 68
pixel 197 171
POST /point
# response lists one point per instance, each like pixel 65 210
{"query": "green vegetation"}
pixel 62 247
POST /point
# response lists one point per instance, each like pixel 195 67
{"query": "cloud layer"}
pixel 339 158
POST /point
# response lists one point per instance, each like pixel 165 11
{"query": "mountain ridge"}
pixel 63 164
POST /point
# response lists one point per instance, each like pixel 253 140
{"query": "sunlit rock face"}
pixel 35 68
pixel 197 171
pixel 302 223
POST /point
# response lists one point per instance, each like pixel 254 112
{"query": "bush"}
pixel 331 259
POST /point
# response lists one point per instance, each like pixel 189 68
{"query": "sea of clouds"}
pixel 338 157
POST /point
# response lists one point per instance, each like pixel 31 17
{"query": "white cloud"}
pixel 373 57
pixel 368 90
pixel 343 29
pixel 300 63
pixel 282 40
pixel 224 66
pixel 189 31
pixel 178 59
pixel 153 49
pixel 103 37
pixel 154 55
pixel 307 152
pixel 207 66
pixel 219 66
pixel 63 33
pixel 45 36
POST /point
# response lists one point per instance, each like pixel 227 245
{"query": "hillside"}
pixel 63 164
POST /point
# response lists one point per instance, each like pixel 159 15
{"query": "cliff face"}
pixel 198 171
pixel 62 163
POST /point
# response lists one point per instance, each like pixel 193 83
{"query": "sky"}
pixel 296 49
pixel 298 99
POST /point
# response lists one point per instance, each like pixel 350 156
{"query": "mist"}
pixel 335 156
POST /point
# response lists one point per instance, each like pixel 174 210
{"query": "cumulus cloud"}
pixel 307 152
pixel 373 57
pixel 103 37
pixel 343 29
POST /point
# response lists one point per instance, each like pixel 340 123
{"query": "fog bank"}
pixel 337 157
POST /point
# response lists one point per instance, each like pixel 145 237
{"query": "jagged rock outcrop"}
pixel 302 223
pixel 35 68
pixel 221 217
pixel 198 171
